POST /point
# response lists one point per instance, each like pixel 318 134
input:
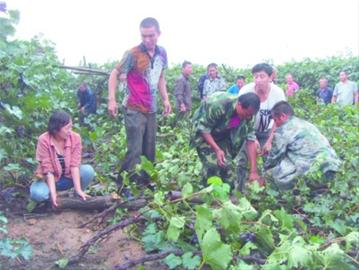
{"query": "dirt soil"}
pixel 56 235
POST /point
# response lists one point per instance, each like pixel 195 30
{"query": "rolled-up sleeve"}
pixel 279 148
pixel 251 136
pixel 43 156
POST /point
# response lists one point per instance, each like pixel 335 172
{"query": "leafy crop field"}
pixel 209 227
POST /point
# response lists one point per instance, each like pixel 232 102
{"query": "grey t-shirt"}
pixel 345 92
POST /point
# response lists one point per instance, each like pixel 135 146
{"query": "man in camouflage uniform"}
pixel 298 149
pixel 222 125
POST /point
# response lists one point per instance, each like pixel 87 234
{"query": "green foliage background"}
pixel 293 231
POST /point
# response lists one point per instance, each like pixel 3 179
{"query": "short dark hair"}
pixel 212 65
pixel 150 22
pixel 241 77
pixel 186 63
pixel 58 120
pixel 282 107
pixel 263 67
pixel 249 100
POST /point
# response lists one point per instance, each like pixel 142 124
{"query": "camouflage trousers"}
pixel 285 174
pixel 236 168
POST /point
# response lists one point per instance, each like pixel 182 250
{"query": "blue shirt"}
pixel 87 99
pixel 234 89
pixel 325 95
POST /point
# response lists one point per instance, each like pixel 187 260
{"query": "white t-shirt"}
pixel 264 120
pixel 345 92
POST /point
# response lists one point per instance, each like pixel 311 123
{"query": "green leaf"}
pixel 286 220
pixel 229 216
pixel 175 228
pixel 159 198
pixel 214 180
pixel 242 266
pixel 334 258
pixel 14 110
pixel 299 256
pixel 190 262
pixel 246 249
pixel 215 253
pixel 339 226
pixel 187 190
pixel 352 239
pixel 265 239
pixel 203 220
pixel 62 263
pixel 173 261
pixel 30 206
pixel 247 209
pixel 25 250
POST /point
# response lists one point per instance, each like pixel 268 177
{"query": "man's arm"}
pixel 252 158
pixel 335 93
pixel 163 92
pixel 278 151
pixel 268 145
pixel 221 160
pixel 179 93
pixel 112 86
pixel 356 98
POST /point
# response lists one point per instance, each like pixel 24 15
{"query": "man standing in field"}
pixel 298 149
pixel 142 68
pixel 345 92
pixel 324 93
pixel 214 82
pixel 183 91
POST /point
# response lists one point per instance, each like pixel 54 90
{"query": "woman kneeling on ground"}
pixel 59 154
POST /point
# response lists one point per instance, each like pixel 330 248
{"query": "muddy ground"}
pixel 56 235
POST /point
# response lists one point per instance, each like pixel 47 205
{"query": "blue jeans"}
pixel 39 190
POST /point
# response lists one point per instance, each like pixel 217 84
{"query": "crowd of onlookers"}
pixel 345 91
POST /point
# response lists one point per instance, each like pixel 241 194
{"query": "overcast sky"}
pixel 238 33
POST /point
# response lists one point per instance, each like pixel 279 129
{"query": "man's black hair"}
pixel 282 107
pixel 185 63
pixel 241 77
pixel 250 100
pixel 150 22
pixel 263 67
pixel 212 65
pixel 58 120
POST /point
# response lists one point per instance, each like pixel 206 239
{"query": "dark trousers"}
pixel 141 131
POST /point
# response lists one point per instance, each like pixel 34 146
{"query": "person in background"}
pixel 214 82
pixel 292 86
pixel 183 91
pixel 324 93
pixel 223 127
pixel 143 70
pixel 274 76
pixel 234 89
pixel 86 101
pixel 345 91
pixel 298 149
pixel 200 84
pixel 58 152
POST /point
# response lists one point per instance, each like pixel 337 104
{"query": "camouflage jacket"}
pixel 214 115
pixel 299 146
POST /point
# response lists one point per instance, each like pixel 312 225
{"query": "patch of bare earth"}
pixel 57 235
